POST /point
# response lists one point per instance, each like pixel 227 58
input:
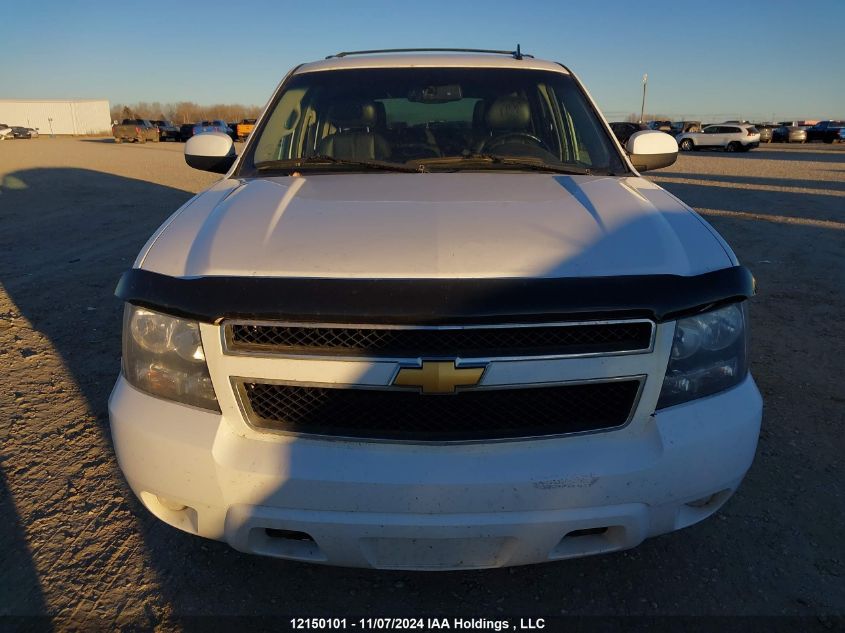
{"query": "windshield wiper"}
pixel 523 163
pixel 312 162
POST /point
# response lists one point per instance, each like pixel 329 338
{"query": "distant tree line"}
pixel 183 111
pixel 634 117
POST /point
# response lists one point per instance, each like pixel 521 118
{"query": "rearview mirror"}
pixel 436 94
pixel 650 149
pixel 210 151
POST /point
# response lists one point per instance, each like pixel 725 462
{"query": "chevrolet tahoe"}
pixel 431 318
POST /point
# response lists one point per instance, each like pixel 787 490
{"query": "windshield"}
pixel 431 119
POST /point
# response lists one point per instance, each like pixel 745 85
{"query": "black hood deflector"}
pixel 435 301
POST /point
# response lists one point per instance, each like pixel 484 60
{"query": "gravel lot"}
pixel 76 545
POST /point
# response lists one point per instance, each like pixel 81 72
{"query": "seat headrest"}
pixel 478 114
pixel 509 113
pixel 353 113
pixel 381 114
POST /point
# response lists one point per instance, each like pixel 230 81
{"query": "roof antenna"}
pixel 518 53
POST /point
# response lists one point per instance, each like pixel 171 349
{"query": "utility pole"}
pixel 642 110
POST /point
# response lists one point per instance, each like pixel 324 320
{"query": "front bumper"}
pixel 414 506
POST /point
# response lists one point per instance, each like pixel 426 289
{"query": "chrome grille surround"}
pixel 368 375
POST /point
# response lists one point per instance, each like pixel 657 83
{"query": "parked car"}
pixel 21 132
pixel 766 131
pixel 139 130
pixel 212 126
pixel 731 138
pixel 679 127
pixel 789 134
pixel 243 129
pixel 826 131
pixel 166 130
pixel 663 126
pixel 186 131
pixel 5 131
pixel 434 338
pixel 623 130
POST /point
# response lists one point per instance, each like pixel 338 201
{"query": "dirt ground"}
pixel 75 545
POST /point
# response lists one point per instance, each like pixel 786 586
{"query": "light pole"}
pixel 645 83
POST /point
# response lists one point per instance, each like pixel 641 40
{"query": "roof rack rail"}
pixel 517 54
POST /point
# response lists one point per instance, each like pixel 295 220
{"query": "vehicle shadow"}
pixel 59 269
pixel 20 588
pixel 761 181
pixel 802 155
pixel 111 141
pixel 725 198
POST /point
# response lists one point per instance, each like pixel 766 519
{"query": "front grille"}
pixel 467 415
pixel 466 342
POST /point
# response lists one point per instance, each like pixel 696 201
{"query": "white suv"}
pixel 433 318
pixel 730 137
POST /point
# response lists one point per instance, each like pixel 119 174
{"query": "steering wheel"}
pixel 489 144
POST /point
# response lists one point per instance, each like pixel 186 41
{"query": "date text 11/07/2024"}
pixel 419 624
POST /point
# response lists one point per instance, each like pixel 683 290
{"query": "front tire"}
pixel 687 145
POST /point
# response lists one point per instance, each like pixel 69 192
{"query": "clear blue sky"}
pixel 706 59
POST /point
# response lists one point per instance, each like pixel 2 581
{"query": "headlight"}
pixel 163 356
pixel 708 355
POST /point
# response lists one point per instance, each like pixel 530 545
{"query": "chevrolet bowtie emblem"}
pixel 438 376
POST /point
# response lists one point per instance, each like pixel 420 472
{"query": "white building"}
pixel 59 116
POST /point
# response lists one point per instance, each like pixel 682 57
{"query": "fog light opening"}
pixel 283 543
pixel 715 499
pixel 703 502
pixel 288 534
pixel 171 511
pixel 173 506
pixel 586 532
pixel 591 540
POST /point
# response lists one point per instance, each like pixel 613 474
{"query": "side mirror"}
pixel 650 149
pixel 210 151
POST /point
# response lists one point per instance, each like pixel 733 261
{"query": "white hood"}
pixel 468 225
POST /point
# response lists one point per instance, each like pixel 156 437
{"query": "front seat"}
pixel 479 131
pixel 355 138
pixel 509 123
